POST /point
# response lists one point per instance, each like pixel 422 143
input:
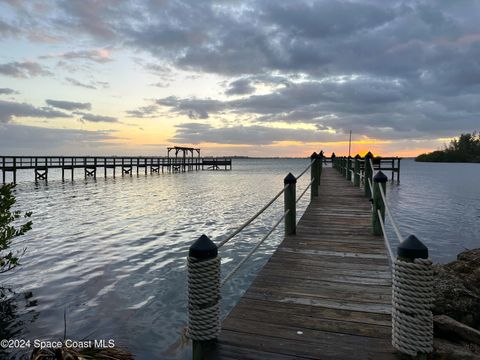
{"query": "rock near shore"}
pixel 457 288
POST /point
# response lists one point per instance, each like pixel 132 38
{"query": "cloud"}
pixel 148 111
pixel 99 118
pixel 388 69
pixel 26 69
pixel 240 87
pixel 196 133
pixel 7 29
pixel 97 55
pixel 7 91
pixel 10 109
pixel 93 85
pixel 17 138
pixel 68 105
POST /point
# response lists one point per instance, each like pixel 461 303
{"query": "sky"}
pixel 254 77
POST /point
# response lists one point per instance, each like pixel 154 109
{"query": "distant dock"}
pixel 126 165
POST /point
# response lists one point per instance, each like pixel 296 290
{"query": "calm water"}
pixel 111 253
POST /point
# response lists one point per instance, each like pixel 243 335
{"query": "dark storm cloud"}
pixel 255 135
pixel 99 118
pixel 24 69
pixel 68 105
pixel 10 109
pixel 32 138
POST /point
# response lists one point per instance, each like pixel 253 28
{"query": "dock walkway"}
pixel 324 294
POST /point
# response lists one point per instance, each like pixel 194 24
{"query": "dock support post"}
pixel 412 300
pixel 367 173
pixel 356 171
pixel 203 296
pixel 314 175
pixel 380 179
pixel 290 198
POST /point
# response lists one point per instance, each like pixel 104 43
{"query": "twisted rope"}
pixel 203 299
pixel 412 320
pixel 245 224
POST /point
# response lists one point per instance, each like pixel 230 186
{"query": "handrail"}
pixel 394 225
pixel 387 243
pixel 304 171
pixel 245 224
pixel 231 273
pixel 304 191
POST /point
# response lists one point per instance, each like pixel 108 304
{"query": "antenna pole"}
pixel 350 143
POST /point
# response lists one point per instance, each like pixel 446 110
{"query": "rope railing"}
pixel 239 265
pixel 249 221
pixel 304 191
pixel 306 169
pixel 392 221
pixel 385 237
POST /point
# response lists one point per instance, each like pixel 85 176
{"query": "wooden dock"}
pixel 92 164
pixel 324 294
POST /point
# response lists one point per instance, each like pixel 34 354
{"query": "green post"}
pixel 380 179
pixel 314 175
pixel 320 166
pixel 368 173
pixel 289 197
pixel 344 166
pixel 349 165
pixel 356 170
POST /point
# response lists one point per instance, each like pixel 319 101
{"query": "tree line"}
pixel 464 149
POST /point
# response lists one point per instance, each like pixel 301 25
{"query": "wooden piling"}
pixel 290 204
pixel 356 170
pixel 380 179
pixel 314 175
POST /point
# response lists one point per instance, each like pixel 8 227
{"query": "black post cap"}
pixel 369 154
pixel 314 155
pixel 357 156
pixel 380 177
pixel 290 179
pixel 411 248
pixel 203 249
pixel 320 153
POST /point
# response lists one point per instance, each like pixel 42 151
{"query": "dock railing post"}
pixel 203 296
pixel 380 179
pixel 367 173
pixel 314 175
pixel 320 166
pixel 349 165
pixel 289 197
pixel 412 300
pixel 356 171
